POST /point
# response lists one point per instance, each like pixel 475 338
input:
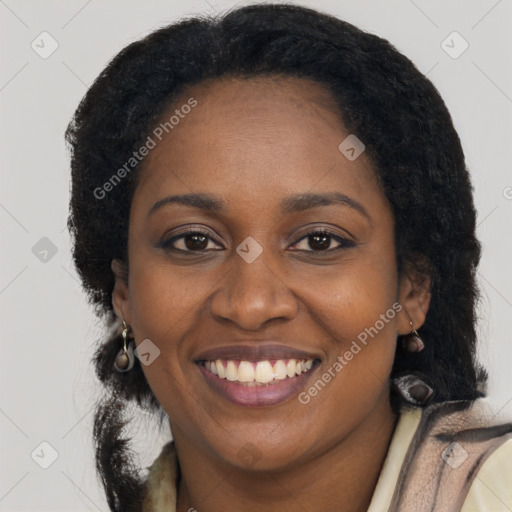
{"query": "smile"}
pixel 257 383
pixel 258 372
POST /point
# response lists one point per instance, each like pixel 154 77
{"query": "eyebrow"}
pixel 202 201
pixel 292 204
pixel 303 202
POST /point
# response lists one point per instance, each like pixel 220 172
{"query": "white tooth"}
pixel 279 370
pixel 213 367
pixel 263 372
pixel 298 368
pixel 290 368
pixel 245 371
pixel 220 369
pixel 231 372
pixel 308 364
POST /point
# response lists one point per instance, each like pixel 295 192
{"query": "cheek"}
pixel 164 307
pixel 356 307
pixel 350 297
pixel 165 301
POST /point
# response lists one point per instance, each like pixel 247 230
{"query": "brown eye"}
pixel 196 242
pixel 321 241
pixel 191 241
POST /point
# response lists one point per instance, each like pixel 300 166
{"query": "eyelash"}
pixel 344 242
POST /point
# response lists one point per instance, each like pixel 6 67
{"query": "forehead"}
pixel 258 134
pixel 258 92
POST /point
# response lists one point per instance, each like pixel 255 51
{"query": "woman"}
pixel 272 210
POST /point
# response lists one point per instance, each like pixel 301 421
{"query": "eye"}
pixel 198 241
pixel 191 241
pixel 321 240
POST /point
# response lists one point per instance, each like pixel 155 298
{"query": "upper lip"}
pixel 260 352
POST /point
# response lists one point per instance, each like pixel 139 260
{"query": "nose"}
pixel 252 294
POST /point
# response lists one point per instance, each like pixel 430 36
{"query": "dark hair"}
pixel 385 101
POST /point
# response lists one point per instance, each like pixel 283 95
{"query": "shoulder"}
pixel 492 486
pixel 457 449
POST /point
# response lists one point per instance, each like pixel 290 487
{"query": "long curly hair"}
pixel 385 101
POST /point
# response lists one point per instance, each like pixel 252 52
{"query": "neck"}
pixel 346 474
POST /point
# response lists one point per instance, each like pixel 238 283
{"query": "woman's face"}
pixel 290 269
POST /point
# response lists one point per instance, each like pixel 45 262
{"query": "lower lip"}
pixel 258 396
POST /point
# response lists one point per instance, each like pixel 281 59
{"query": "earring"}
pixel 412 341
pixel 413 389
pixel 125 359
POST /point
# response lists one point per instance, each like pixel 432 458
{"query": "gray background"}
pixel 48 387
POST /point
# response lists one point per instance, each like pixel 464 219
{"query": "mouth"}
pixel 257 373
pixel 257 382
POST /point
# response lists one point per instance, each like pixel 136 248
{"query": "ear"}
pixel 414 296
pixel 120 296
